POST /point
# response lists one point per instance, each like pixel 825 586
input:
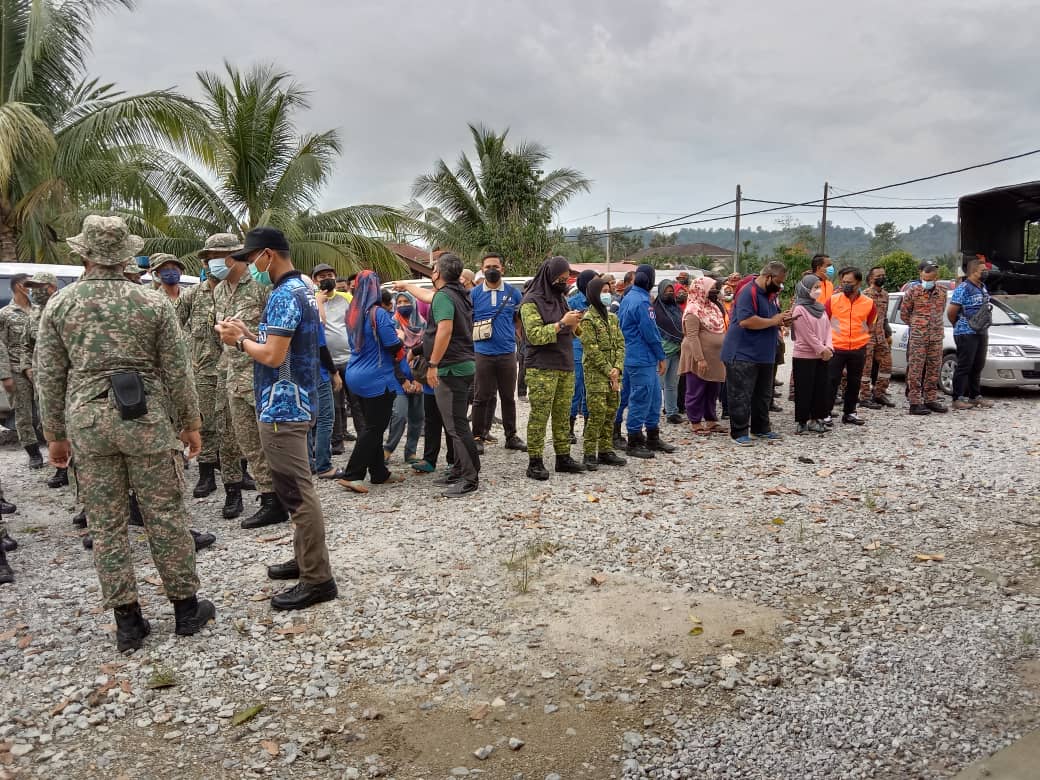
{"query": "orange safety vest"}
pixel 851 321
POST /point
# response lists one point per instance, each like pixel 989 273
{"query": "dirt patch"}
pixel 629 617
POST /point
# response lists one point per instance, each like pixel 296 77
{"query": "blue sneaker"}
pixel 743 441
pixel 771 436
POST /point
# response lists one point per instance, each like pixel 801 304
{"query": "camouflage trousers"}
pixel 22 403
pixel 923 360
pixel 549 394
pixel 218 438
pixel 242 414
pixel 105 480
pixel 882 355
pixel 603 402
pixel 3 522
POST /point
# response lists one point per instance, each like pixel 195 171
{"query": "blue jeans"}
pixel 319 437
pixel 578 405
pixel 671 385
pixel 644 400
pixel 408 411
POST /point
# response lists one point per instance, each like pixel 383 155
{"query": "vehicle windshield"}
pixel 1005 315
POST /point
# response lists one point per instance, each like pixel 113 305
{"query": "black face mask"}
pixel 560 287
pixel 772 288
pixel 668 298
pixel 493 275
pixel 680 298
pixel 880 281
pixel 328 285
pixel 848 289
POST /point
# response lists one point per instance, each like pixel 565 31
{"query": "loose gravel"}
pixel 863 604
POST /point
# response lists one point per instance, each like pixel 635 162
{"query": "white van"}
pixel 66 275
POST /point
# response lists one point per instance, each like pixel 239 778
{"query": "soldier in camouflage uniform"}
pixel 42 286
pixel 874 394
pixel 166 271
pixel 7 544
pixel 96 331
pixel 603 360
pixel 197 315
pixel 14 318
pixel 922 309
pixel 239 296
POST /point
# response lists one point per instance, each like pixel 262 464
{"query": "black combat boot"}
pixel 80 520
pixel 202 539
pixel 232 500
pixel 574 439
pixel 131 627
pixel 6 575
pixel 565 464
pixel 6 508
pixel 637 446
pixel 536 469
pixel 247 479
pixel 35 458
pixel 609 458
pixel 192 615
pixel 7 544
pixel 60 479
pixel 207 480
pixel 655 443
pixel 590 462
pixel 270 512
pixel 619 440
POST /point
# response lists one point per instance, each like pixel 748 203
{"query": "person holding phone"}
pixel 813 349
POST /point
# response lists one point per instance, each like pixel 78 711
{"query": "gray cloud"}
pixel 665 104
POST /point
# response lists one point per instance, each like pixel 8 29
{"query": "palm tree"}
pixel 266 173
pixel 503 202
pixel 66 142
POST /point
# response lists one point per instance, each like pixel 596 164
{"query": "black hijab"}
pixel 551 305
pixel 668 315
pixel 592 292
pixel 645 276
pixel 583 281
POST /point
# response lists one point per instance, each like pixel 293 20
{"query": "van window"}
pixel 5 287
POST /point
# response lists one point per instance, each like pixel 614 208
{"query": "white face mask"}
pixel 816 293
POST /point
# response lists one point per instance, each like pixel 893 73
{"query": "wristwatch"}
pixel 434 365
pixel 238 344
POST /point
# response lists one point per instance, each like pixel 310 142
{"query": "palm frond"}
pixel 23 136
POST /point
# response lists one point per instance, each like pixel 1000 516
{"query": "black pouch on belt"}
pixel 128 394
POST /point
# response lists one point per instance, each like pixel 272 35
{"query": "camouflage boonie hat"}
pixel 221 245
pixel 132 267
pixel 156 260
pixel 105 241
pixel 42 279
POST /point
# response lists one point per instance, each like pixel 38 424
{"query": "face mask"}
pixel 815 294
pixel 605 299
pixel 680 298
pixel 773 289
pixel 928 285
pixel 260 277
pixel 218 268
pixel 327 285
pixel 880 281
pixel 493 275
pixel 848 289
pixel 170 276
pixel 560 287
pixel 668 298
pixel 830 272
pixel 40 296
pixel 727 296
pixel 405 311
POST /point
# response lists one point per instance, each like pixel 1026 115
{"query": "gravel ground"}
pixel 725 613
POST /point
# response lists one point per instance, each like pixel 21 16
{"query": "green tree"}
pixel 900 267
pixel 658 240
pixel 624 245
pixel 269 174
pixel 885 240
pixel 502 199
pixel 67 143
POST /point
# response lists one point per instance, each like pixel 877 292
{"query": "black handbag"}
pixel 982 319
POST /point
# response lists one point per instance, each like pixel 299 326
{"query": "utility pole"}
pixel 823 225
pixel 736 237
pixel 608 239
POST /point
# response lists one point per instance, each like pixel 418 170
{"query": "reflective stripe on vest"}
pixel 849 327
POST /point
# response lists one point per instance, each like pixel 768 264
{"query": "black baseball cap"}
pixel 261 238
pixel 322 267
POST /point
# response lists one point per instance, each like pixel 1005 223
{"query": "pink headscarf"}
pixel 699 306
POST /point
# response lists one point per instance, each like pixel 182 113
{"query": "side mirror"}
pixel 1025 317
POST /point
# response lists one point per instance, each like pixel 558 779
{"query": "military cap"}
pixel 132 267
pixel 105 241
pixel 159 259
pixel 42 279
pixel 221 245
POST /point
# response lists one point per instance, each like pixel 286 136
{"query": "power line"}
pixel 579 219
pixel 857 207
pixel 667 223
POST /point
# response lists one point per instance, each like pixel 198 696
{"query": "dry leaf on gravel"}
pixel 872 546
pixel 598 579
pixel 298 628
pixel 924 557
pixel 246 715
pixel 738 632
pixel 480 711
pixel 270 747
pixel 25 641
pixel 824 472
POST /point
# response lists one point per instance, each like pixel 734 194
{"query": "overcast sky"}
pixel 666 105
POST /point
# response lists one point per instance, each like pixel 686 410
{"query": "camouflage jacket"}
pixel 13 321
pixel 246 301
pixel 196 314
pixel 881 330
pixel 924 311
pixel 604 348
pixel 101 325
pixel 28 347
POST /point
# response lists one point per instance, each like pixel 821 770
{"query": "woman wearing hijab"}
pixel 668 316
pixel 812 349
pixel 604 358
pixel 704 328
pixel 550 329
pixel 375 374
pixel 645 364
pixel 579 302
pixel 408 407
